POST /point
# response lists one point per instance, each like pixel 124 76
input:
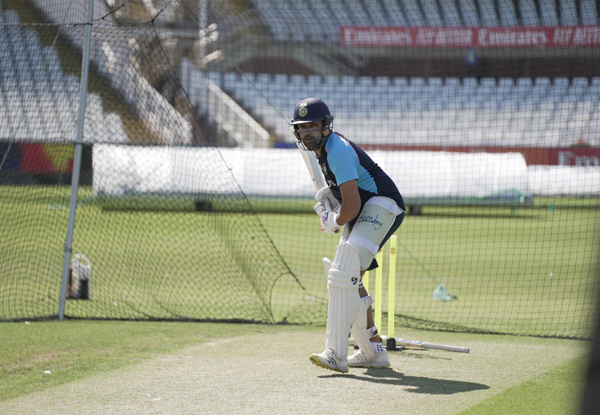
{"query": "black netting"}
pixel 194 202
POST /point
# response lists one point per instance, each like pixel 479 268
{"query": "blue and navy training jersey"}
pixel 342 161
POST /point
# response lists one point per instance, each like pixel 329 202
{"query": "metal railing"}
pixel 241 128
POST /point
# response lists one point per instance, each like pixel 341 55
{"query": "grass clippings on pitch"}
pixel 271 373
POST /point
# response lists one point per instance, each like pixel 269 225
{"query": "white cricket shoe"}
pixel 329 360
pixel 359 359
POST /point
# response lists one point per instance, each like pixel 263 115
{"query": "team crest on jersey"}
pixel 324 169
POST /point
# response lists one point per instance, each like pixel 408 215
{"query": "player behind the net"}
pixel 363 198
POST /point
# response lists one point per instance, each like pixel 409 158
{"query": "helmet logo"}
pixel 303 111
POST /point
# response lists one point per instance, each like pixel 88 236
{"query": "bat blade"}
pixel 426 345
pixel 312 165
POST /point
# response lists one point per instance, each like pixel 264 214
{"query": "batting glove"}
pixel 328 216
pixel 325 195
pixel 328 223
pixel 319 208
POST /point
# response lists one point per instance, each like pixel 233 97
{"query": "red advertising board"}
pixel 579 156
pixel 470 37
pixel 572 156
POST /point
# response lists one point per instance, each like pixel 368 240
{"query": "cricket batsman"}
pixel 363 198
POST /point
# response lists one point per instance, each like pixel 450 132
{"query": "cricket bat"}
pixel 425 345
pixel 313 169
pixel 312 165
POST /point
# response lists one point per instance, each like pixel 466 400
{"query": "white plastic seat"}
pixel 586 108
pixel 551 138
pixel 215 77
pixel 523 90
pixel 529 16
pixel 365 81
pixel 579 81
pixel 339 13
pixel 547 107
pixel 558 89
pixel 589 12
pixel 507 13
pixel 331 80
pixel 435 82
pixel 269 14
pixel 549 14
pixel 400 81
pixel 452 83
pixel 281 79
pixel 348 81
pixel 568 13
pixel 263 80
pixel 469 12
pixel 433 16
pixel 359 15
pixel 297 80
pixel 594 93
pixel 563 110
pixel 395 13
pixel 10 16
pixel 469 83
pixel 487 83
pixel 505 88
pixel 314 80
pixel 542 83
pixel 524 81
pixel 417 81
pixel 487 87
pixel 378 15
pixel 413 13
pixel 489 17
pixel 561 82
pixel 382 81
pixel 450 13
pixel 578 89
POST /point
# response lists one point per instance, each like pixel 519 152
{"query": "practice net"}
pixel 194 202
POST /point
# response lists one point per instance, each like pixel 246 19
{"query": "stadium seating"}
pixel 417 111
pixel 527 111
pixel 41 101
pixel 305 20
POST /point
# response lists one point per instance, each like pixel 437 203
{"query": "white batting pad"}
pixel 327 264
pixel 344 300
pixel 373 223
pixel 359 328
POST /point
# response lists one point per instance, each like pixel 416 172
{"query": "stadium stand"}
pixel 549 13
pixel 414 13
pixel 47 98
pixel 468 10
pixel 506 111
pixel 434 111
pixel 529 16
pixel 450 13
pixel 589 12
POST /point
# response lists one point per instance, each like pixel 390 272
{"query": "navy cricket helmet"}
pixel 311 110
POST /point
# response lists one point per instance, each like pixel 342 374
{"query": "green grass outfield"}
pixel 164 368
pixel 529 271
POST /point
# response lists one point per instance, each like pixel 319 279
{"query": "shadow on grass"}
pixel 413 384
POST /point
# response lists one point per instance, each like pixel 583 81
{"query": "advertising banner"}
pixel 470 37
